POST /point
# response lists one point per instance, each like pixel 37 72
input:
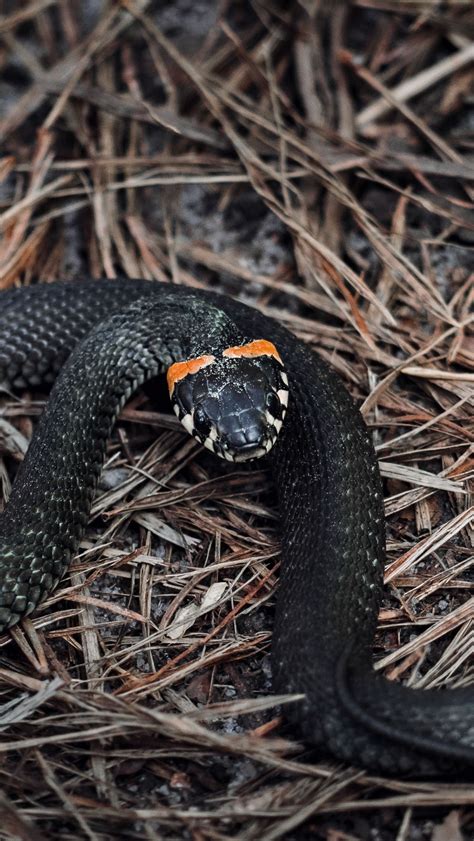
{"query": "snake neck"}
pixel 50 503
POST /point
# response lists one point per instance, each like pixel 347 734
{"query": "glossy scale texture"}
pixel 328 484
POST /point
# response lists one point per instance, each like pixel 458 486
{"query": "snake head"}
pixel 234 404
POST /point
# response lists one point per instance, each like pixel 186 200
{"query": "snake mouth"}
pixel 236 451
pixel 250 452
pixel 244 436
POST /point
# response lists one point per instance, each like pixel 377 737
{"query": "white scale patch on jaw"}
pixel 188 423
pixel 277 423
pixel 282 395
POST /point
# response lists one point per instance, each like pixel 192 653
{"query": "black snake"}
pixel 325 472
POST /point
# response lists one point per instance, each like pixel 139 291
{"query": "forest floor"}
pixel 317 163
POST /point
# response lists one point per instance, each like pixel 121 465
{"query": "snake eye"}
pixel 202 424
pixel 273 405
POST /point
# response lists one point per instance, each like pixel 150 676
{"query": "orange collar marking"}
pixel 180 370
pixel 260 347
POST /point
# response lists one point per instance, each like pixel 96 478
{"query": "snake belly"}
pixel 107 337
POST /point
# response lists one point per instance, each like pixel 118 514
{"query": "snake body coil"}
pixel 326 476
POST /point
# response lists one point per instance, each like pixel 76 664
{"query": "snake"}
pixel 247 389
